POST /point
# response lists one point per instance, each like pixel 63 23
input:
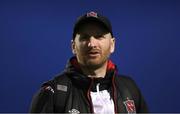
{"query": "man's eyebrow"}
pixel 84 34
pixel 81 33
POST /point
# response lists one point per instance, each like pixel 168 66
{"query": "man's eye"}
pixel 84 37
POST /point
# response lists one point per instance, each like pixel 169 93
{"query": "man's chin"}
pixel 94 63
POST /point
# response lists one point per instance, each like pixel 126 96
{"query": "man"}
pixel 90 82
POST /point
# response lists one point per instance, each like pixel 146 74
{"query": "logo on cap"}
pixel 92 14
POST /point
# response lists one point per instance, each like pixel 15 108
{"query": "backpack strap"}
pixel 62 85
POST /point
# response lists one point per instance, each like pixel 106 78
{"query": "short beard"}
pixel 92 67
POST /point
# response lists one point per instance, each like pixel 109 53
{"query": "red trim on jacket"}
pixel 110 65
pixel 114 92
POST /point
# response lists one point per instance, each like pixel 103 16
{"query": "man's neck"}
pixel 95 73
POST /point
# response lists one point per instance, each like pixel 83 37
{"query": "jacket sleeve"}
pixel 42 101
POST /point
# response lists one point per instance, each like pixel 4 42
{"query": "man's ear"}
pixel 112 45
pixel 73 47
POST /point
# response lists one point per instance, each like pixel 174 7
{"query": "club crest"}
pixel 130 106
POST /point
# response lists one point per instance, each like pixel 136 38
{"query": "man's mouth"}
pixel 93 53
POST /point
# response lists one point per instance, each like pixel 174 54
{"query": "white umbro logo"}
pixel 74 111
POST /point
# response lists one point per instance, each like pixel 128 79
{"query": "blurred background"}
pixel 35 38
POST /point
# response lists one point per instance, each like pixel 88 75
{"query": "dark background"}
pixel 35 45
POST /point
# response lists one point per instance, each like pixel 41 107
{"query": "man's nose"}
pixel 92 42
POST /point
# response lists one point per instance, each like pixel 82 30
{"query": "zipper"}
pixel 89 96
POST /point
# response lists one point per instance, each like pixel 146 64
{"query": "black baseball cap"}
pixel 92 16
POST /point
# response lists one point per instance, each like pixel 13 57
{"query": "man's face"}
pixel 92 45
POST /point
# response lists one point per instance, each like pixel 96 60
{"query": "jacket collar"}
pixel 74 71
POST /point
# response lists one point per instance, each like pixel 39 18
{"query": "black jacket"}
pixel 70 92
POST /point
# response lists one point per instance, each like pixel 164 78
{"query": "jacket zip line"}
pixel 113 94
pixel 89 96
